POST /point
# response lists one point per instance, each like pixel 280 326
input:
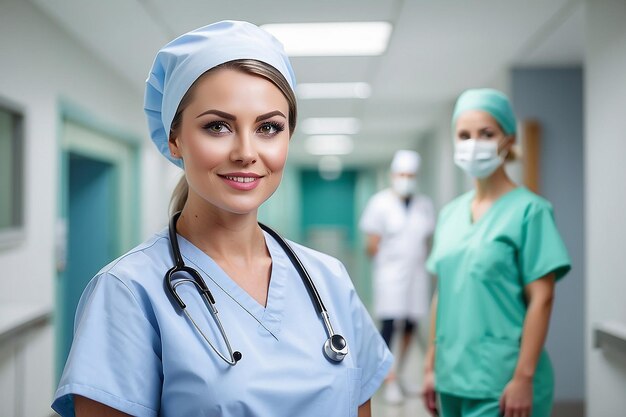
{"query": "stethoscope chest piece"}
pixel 336 348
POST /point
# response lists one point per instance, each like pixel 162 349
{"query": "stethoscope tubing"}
pixel 295 260
pixel 335 348
pixel 231 360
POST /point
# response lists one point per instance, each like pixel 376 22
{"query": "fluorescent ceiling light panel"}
pixel 332 39
pixel 333 90
pixel 331 126
pixel 329 145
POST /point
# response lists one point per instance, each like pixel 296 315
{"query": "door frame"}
pixel 128 210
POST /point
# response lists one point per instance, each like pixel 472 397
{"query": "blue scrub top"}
pixel 135 352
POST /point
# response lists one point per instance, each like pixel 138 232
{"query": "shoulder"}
pixel 458 203
pixel 143 262
pixel 319 261
pixel 328 273
pixel 531 204
pixel 135 279
pixel 381 198
pixel 378 205
pixel 333 282
pixel 533 199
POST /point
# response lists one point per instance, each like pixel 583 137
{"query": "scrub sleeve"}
pixel 115 354
pixel 542 250
pixel 372 220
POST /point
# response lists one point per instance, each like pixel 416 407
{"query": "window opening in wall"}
pixel 11 175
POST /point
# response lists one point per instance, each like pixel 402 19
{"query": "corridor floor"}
pixel 411 375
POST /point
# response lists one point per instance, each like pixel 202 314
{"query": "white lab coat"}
pixel 401 283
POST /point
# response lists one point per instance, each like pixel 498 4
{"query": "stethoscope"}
pixel 335 348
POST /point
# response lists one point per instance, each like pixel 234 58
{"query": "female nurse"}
pixel 497 255
pixel 220 104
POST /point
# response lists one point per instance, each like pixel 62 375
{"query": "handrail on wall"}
pixel 16 319
pixel 610 334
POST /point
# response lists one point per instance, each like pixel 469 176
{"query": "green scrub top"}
pixel 482 269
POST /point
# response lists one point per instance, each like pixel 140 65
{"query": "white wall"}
pixel 39 65
pixel 554 98
pixel 605 173
pixel 439 176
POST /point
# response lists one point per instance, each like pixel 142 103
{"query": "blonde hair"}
pixel 247 66
pixel 514 152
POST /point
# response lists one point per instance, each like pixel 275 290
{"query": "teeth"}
pixel 241 179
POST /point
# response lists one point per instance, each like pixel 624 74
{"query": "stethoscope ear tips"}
pixel 336 348
pixel 237 356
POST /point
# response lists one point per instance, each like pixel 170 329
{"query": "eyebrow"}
pixel 233 117
pixel 270 114
pixel 218 113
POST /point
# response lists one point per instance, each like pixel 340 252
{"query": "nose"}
pixel 244 151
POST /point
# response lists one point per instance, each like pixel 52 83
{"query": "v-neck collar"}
pixel 497 202
pixel 270 316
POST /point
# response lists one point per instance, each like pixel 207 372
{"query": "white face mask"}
pixel 479 158
pixel 403 186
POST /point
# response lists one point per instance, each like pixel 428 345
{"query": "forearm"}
pixel 533 336
pixel 365 409
pixel 429 359
pixel 89 408
pixel 371 244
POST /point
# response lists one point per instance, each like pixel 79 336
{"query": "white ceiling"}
pixel 437 49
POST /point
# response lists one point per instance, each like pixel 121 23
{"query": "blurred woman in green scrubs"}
pixel 497 255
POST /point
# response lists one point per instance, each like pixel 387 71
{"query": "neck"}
pixel 403 197
pixel 221 234
pixel 494 186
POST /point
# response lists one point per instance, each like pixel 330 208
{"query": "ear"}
pixel 509 141
pixel 174 145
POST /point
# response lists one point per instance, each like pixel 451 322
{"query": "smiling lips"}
pixel 241 180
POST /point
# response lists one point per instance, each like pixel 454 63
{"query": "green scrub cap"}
pixel 491 101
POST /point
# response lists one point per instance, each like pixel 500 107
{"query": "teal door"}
pixel 99 207
pixel 91 239
pixel 328 223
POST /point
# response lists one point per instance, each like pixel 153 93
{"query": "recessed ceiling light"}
pixel 333 90
pixel 332 39
pixel 331 126
pixel 329 145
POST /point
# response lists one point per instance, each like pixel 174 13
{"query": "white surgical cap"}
pixel 405 162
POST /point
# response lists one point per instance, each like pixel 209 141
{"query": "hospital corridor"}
pixel 313 208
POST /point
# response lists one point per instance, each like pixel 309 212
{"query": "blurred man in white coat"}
pixel 399 223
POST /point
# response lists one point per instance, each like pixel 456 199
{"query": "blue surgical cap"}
pixel 182 61
pixel 491 101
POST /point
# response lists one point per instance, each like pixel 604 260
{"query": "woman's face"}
pixel 478 124
pixel 233 139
